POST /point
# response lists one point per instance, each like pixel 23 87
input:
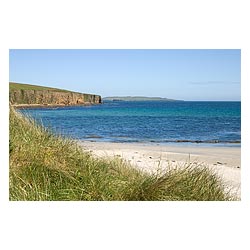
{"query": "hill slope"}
pixel 32 95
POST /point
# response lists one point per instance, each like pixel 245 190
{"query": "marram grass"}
pixel 47 167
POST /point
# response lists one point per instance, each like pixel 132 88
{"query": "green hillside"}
pixel 22 86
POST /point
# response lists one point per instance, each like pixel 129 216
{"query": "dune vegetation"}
pixel 44 166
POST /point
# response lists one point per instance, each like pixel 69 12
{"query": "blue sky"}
pixel 177 74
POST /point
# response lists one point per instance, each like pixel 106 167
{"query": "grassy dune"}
pixel 47 167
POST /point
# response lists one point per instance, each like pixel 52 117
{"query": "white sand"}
pixel 151 157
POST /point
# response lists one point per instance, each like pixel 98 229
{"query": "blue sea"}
pixel 210 123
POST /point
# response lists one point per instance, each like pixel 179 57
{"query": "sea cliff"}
pixel 31 95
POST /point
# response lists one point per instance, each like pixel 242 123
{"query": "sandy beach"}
pixel 225 161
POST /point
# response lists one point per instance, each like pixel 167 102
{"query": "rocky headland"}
pixel 24 95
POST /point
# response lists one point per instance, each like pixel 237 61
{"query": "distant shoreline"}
pixel 137 98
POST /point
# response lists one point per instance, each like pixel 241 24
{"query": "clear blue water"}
pixel 155 122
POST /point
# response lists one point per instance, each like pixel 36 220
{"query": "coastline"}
pixel 225 161
pixel 29 106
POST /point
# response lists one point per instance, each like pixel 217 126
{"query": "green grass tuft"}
pixel 48 167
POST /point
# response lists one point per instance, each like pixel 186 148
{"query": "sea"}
pixel 155 122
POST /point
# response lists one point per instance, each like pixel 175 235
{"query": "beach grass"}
pixel 47 167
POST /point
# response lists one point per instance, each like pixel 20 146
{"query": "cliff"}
pixel 32 95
